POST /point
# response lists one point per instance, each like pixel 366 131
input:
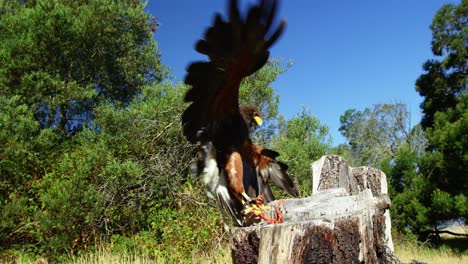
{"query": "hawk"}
pixel 234 168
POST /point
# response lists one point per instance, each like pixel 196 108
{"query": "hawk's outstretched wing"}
pixel 236 48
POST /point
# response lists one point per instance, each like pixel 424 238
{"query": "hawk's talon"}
pixel 256 208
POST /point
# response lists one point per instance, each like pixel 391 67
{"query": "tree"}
pixel 432 188
pixel 376 134
pixel 62 58
pixel 419 206
pixel 409 191
pixel 444 89
pixel 300 141
pixel 445 79
pixel 61 63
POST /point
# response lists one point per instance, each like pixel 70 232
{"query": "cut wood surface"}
pixel 345 220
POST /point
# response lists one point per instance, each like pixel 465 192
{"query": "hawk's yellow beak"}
pixel 258 120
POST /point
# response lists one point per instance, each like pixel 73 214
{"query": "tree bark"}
pixel 346 220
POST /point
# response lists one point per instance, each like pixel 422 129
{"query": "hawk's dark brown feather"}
pixel 236 48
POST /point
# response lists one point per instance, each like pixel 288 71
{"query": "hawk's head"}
pixel 251 115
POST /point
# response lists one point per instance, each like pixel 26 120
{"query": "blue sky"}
pixel 345 54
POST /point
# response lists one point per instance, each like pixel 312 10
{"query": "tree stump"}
pixel 345 220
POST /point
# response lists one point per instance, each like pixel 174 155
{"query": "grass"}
pixel 407 252
pixel 451 250
pixel 220 255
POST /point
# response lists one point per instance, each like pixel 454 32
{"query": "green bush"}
pixel 301 140
pixel 25 154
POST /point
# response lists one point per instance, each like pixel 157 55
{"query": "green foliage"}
pixel 67 64
pixel 65 57
pixel 176 233
pixel 408 214
pixel 449 138
pixel 24 153
pixel 404 169
pixel 460 204
pixel 300 141
pixel 193 228
pixel 418 204
pixel 89 193
pixel 111 179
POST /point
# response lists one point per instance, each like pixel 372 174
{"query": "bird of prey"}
pixel 235 170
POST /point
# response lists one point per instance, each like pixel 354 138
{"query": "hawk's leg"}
pixel 257 210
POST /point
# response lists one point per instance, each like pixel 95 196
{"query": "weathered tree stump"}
pixel 346 220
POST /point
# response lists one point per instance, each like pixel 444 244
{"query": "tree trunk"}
pixel 346 220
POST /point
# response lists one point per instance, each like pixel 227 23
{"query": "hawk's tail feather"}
pixel 231 207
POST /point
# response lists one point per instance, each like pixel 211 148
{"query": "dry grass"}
pixel 408 252
pixel 452 249
pixel 96 258
pixel 405 252
pixel 219 256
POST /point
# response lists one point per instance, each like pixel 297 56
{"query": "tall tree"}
pixel 445 79
pixel 444 89
pixel 430 189
pixel 62 57
pixel 60 60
